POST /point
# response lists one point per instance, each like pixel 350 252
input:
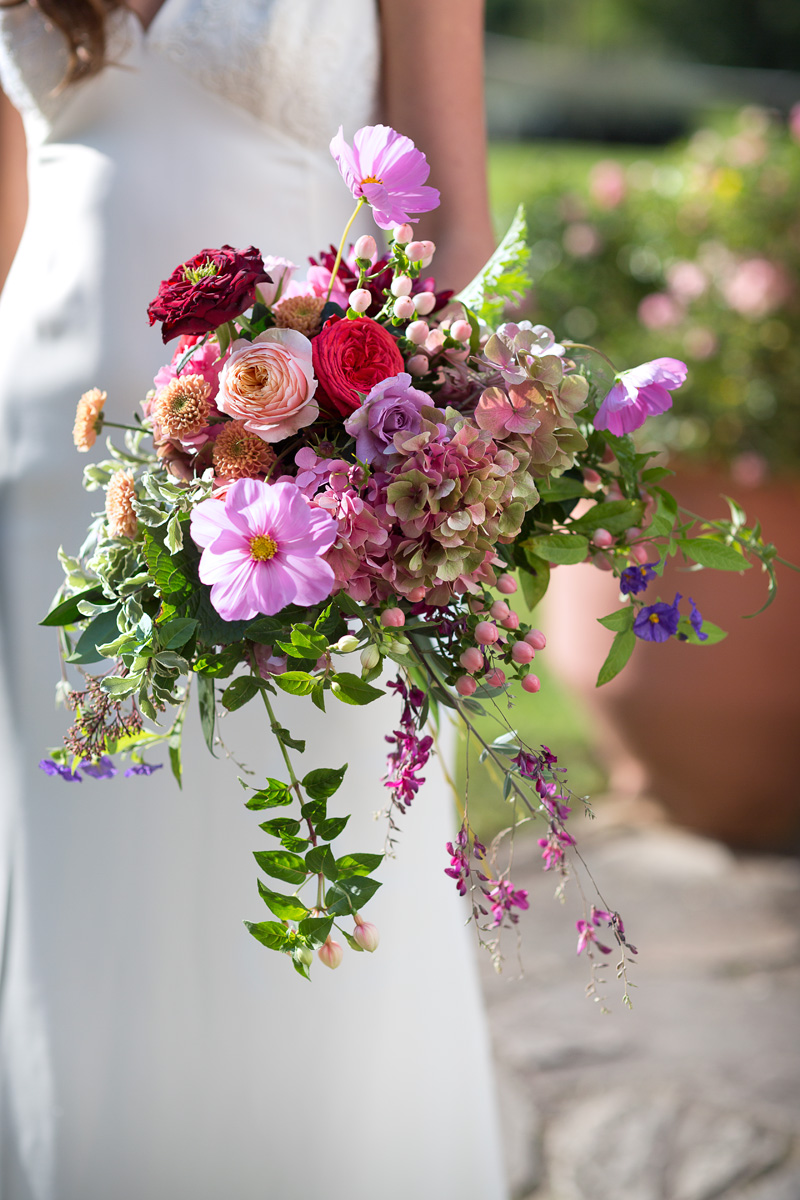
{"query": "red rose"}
pixel 349 358
pixel 206 291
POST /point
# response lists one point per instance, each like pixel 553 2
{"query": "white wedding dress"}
pixel 150 1049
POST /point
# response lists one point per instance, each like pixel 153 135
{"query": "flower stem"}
pixel 593 349
pixel 339 252
pixel 117 425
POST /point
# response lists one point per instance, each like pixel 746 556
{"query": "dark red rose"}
pixel 349 358
pixel 206 291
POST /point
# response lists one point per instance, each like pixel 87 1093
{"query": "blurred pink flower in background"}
pixel 607 184
pixel 582 240
pixel 794 122
pixel 686 281
pixel 700 342
pixel 659 310
pixel 756 288
pixel 749 469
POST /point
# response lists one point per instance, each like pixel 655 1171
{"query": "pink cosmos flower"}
pixel 640 393
pixel 262 549
pixel 269 384
pixel 388 171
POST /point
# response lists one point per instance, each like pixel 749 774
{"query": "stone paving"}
pixel 695 1093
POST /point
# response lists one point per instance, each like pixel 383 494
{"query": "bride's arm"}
pixel 433 92
pixel 13 183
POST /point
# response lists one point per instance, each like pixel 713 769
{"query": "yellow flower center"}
pixel 371 179
pixel 653 618
pixel 262 548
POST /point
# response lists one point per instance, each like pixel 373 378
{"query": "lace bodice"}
pixel 293 64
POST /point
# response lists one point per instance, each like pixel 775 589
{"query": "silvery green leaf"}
pixel 95 476
pixel 505 276
pixel 87 609
pixel 149 514
pixel 174 534
pixel 171 660
pixel 116 686
pixel 125 641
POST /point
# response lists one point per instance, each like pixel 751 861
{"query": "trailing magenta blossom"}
pixel 640 393
pixel 635 579
pixel 388 171
pixel 262 549
pixel 658 622
pixel 411 752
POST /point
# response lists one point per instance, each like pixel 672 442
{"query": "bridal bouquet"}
pixel 354 469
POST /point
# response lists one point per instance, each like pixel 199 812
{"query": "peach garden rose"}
pixel 269 384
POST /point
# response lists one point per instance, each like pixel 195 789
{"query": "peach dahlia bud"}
pixel 331 954
pixel 240 454
pixel 88 419
pixel 303 313
pixel 120 513
pixel 182 408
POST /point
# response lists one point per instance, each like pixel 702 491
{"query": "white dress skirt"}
pixel 150 1049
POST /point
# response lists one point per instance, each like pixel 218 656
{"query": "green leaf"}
pixel 274 795
pixel 177 632
pixel 653 474
pixel 505 276
pixel 715 634
pixel 322 783
pixel 563 488
pixel 620 620
pixel 352 690
pixel 535 581
pixel 321 859
pixel 218 666
pixel 331 827
pixel 207 704
pixel 67 612
pixel 316 930
pixel 278 826
pixel 271 934
pixel 358 864
pixel 314 811
pixel 282 864
pixel 621 650
pixel 359 889
pixel 318 695
pixel 286 739
pixel 288 908
pixel 614 515
pixel 296 683
pixel 240 691
pixel 559 547
pixel 102 629
pixel 713 554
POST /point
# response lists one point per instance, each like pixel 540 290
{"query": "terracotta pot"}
pixel 710 732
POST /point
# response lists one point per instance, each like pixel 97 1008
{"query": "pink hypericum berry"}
pixel 485 633
pixel 590 477
pixel 531 683
pixel 603 539
pixel 428 249
pixel 536 639
pixel 465 685
pixel 471 659
pixel 366 247
pixel 418 365
pixel 415 251
pixel 402 234
pixel 331 954
pixel 401 285
pixel 461 331
pixel 511 621
pixel 360 299
pixel 393 618
pixel 424 303
pixel 496 677
pixel 416 594
pixel 522 652
pixel 403 308
pixel 366 935
pixel 499 610
pixel 417 332
pixel 507 584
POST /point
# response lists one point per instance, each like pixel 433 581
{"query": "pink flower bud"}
pixel 401 285
pixel 603 539
pixel 424 303
pixel 366 936
pixel 476 605
pixel 417 332
pixel 591 478
pixel 393 618
pixel 507 584
pixel 536 639
pixel 522 652
pixel 471 659
pixel 366 247
pixel 415 251
pixel 402 234
pixel 434 341
pixel 511 621
pixel 461 331
pixel 499 610
pixel 485 633
pixel 531 683
pixel 601 561
pixel 360 299
pixel 428 249
pixel 465 685
pixel 418 365
pixel 331 954
pixel 495 677
pixel 416 594
pixel 404 308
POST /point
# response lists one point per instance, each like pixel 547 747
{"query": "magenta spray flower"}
pixel 388 171
pixel 640 393
pixel 262 549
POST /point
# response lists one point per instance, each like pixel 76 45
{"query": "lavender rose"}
pixel 393 406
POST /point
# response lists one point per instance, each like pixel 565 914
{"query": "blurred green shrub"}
pixel 692 252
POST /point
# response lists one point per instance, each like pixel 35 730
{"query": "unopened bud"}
pixel 485 633
pixel 331 954
pixel 496 677
pixel 401 285
pixel 403 308
pixel 428 251
pixel 370 657
pixel 511 621
pixel 471 659
pixel 461 331
pixel 424 303
pixel 522 652
pixel 304 955
pixel 393 618
pixel 507 584
pixel 536 639
pixel 417 365
pixel 366 935
pixel 417 332
pixel 360 299
pixel 531 683
pixel 402 234
pixel 465 685
pixel 603 539
pixel 499 610
pixel 416 594
pixel 366 247
pixel 346 644
pixel 415 251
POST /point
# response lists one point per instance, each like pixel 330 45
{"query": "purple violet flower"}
pixel 696 621
pixel 635 579
pixel 103 769
pixel 388 171
pixel 393 406
pixel 658 622
pixel 143 768
pixel 51 767
pixel 639 393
